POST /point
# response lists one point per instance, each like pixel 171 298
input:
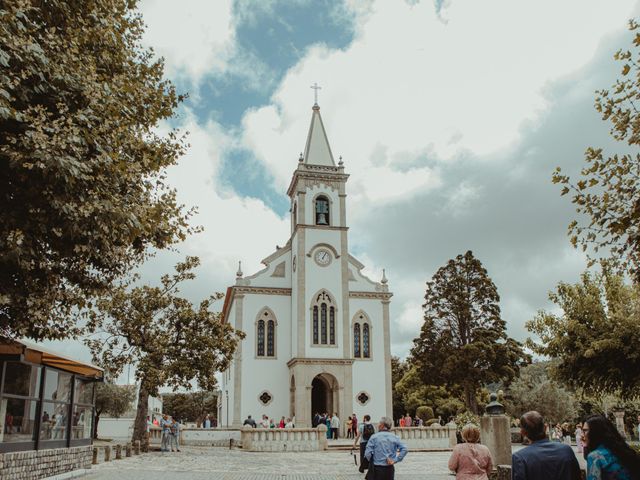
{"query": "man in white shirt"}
pixel 335 426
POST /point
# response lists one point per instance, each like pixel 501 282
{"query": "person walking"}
pixel 542 459
pixel 365 431
pixel 471 460
pixel 384 450
pixel 610 457
pixel 335 426
pixel 174 437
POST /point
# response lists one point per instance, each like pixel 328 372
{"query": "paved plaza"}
pixel 219 463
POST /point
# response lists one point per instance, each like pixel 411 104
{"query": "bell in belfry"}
pixel 322 212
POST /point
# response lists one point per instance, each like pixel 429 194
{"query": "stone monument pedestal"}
pixel 495 433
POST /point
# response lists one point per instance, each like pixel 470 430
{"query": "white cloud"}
pixel 410 82
pixel 196 37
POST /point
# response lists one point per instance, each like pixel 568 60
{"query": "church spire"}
pixel 317 150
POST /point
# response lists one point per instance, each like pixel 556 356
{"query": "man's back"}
pixel 545 460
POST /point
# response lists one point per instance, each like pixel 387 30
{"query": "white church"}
pixel 317 329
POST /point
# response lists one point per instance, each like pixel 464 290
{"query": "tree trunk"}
pixel 470 400
pixel 140 423
pixel 95 425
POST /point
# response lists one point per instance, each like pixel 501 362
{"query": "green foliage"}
pixel 595 338
pixel 161 333
pixel 413 392
pixel 114 400
pixel 82 167
pixel 464 418
pixel 534 389
pixel 425 413
pixel 449 407
pixel 191 406
pixel 608 191
pixel 398 370
pixel 463 341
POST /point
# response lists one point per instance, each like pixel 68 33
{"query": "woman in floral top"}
pixel 610 458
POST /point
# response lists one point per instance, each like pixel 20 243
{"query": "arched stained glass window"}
pixel 315 324
pixel 332 325
pixel 271 333
pixel 323 323
pixel 365 340
pixel 322 211
pixel 356 340
pixel 260 338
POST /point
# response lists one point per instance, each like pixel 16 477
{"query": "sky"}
pixel 450 115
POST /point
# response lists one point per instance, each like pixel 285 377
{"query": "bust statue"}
pixel 494 407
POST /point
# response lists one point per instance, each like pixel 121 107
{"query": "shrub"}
pixel 425 413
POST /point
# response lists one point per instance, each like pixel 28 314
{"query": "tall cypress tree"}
pixel 463 341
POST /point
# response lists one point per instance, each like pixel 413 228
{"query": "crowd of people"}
pixel 549 455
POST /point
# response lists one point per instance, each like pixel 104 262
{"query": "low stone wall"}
pixel 284 439
pixel 431 438
pixel 209 437
pixel 35 464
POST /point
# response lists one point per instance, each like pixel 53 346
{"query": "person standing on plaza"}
pixel 579 438
pixel 327 422
pixel 365 431
pixel 174 438
pixel 165 425
pixel 349 427
pixel 354 425
pixel 207 421
pixel 408 421
pixel 471 460
pixel 289 424
pixel 384 450
pixel 249 421
pixel 282 423
pixel 610 457
pixel 335 426
pixel 542 459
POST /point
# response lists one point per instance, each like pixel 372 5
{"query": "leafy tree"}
pixel 595 338
pixel 163 335
pixel 608 192
pixel 463 341
pixel 414 392
pixel 534 389
pixel 82 167
pixel 114 400
pixel 191 406
pixel 398 369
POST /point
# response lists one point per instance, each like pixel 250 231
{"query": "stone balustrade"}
pixel 210 437
pixel 431 438
pixel 284 439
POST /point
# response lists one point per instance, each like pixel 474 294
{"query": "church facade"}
pixel 317 329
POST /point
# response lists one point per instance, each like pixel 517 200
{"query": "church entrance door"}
pixel 324 388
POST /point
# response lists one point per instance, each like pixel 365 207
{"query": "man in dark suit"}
pixel 543 459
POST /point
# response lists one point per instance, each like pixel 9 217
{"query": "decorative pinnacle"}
pixel 384 277
pixel 340 162
pixel 300 158
pixel 239 272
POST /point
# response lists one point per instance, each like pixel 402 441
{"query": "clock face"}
pixel 322 257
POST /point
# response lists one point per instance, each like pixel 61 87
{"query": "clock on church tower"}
pixel 317 329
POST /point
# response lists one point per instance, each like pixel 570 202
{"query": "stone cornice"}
pixel 371 295
pixel 319 361
pixel 244 289
pixel 317 173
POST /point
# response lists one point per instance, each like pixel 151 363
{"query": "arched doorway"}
pixel 324 388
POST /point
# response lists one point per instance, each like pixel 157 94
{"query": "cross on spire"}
pixel 315 87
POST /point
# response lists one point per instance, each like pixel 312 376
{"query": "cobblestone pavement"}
pixel 218 463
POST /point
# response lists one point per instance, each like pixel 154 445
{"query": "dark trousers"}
pixel 364 463
pixel 381 472
pixel 334 433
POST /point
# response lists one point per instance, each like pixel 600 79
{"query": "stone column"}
pixel 619 414
pixel 495 432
